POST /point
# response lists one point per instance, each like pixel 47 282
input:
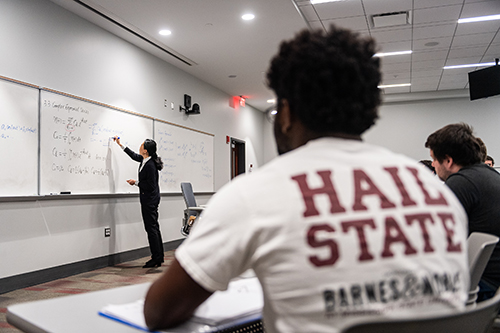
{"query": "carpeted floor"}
pixel 124 274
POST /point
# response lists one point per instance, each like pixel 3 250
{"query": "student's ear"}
pixel 285 116
pixel 448 162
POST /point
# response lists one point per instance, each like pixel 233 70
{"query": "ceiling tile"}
pixel 394 46
pixel 470 52
pixel 444 42
pixel 496 40
pixel 339 9
pixel 451 75
pixel 404 58
pixel 398 67
pixel 425 55
pixel 463 61
pixel 437 14
pixel 435 3
pixel 451 85
pixel 435 73
pixel 472 1
pixel 477 27
pixel 492 52
pixel 396 77
pixel 426 80
pixel 421 87
pixel 386 6
pixel 480 9
pixel 395 35
pixel 427 65
pixel 477 39
pixel 433 31
pixel 356 23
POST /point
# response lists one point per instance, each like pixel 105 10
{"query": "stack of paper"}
pixel 243 299
pixel 131 314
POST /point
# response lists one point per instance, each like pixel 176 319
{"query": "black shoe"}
pixel 152 263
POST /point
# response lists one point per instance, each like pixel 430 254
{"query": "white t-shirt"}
pixel 336 231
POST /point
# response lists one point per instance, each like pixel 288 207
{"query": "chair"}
pixel 480 247
pixel 192 211
pixel 477 319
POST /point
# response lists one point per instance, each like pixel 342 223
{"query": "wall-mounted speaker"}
pixel 187 101
pixel 187 106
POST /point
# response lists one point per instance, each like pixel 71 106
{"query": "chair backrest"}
pixel 480 248
pixel 188 194
pixel 477 319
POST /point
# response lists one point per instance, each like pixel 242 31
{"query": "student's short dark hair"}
pixel 489 158
pixel 428 164
pixel 482 149
pixel 330 80
pixel 456 141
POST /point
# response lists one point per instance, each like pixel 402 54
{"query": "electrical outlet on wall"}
pixel 165 103
pixel 107 232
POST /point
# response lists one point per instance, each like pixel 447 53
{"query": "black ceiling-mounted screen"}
pixel 484 82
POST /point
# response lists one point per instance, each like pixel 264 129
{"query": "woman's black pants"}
pixel 150 217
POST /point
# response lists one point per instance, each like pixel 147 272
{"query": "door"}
pixel 237 157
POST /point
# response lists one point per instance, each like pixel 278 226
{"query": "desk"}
pixel 79 313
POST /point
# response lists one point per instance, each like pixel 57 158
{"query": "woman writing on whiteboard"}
pixel 150 165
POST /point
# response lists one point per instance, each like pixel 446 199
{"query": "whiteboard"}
pixel 18 139
pixel 77 153
pixel 188 156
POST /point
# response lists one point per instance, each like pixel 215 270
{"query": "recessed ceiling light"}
pixel 388 54
pixel 270 101
pixel 480 18
pixel 470 65
pixel 248 17
pixel 165 32
pixel 394 85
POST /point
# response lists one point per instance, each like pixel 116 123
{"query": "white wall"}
pixel 404 127
pixel 45 45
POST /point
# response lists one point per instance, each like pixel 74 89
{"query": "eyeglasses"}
pixel 271 113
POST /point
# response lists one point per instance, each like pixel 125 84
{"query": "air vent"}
pixel 391 19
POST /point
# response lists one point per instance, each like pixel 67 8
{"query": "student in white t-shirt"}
pixel 335 229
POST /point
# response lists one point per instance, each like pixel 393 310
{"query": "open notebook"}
pixel 242 300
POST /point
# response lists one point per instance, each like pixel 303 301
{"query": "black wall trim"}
pixel 45 275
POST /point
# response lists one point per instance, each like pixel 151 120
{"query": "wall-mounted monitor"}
pixel 484 82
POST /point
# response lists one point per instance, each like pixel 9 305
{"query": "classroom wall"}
pixel 45 45
pixel 406 120
pixel 404 126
